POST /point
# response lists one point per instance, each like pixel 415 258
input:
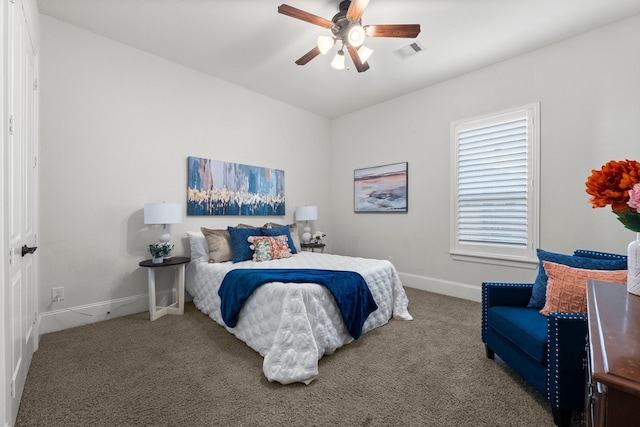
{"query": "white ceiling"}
pixel 248 43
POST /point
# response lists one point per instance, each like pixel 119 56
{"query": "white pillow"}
pixel 198 245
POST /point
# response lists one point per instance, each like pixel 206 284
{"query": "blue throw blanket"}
pixel 349 289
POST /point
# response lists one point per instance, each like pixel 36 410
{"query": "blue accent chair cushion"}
pixel 525 327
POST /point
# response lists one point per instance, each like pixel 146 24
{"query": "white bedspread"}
pixel 293 325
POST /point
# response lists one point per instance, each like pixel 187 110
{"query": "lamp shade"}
pixel 364 53
pixel 306 213
pixel 338 61
pixel 162 213
pixel 325 43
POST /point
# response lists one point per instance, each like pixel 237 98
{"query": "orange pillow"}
pixel 567 286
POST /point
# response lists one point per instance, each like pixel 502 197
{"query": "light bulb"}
pixel 325 43
pixel 356 35
pixel 338 61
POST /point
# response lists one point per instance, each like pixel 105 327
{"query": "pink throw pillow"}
pixel 567 286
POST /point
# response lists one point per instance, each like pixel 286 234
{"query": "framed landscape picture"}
pixel 381 188
pixel 224 188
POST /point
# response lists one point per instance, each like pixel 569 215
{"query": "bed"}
pixel 293 325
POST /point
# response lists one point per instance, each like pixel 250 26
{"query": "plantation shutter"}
pixel 492 206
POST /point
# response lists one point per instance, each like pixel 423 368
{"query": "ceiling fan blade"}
pixel 356 9
pixel 361 67
pixel 410 31
pixel 308 56
pixel 304 16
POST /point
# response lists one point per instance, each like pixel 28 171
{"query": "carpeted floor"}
pixel 189 371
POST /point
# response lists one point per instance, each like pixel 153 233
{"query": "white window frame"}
pixel 521 254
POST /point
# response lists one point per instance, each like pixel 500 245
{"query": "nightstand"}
pixel 312 247
pixel 178 263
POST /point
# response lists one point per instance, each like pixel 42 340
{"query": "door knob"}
pixel 28 249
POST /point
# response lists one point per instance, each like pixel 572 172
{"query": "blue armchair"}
pixel 549 352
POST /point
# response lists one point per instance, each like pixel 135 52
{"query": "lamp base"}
pixel 306 235
pixel 165 234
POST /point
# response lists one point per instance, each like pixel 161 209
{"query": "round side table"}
pixel 178 263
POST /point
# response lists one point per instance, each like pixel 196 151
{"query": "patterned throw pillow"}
pixel 567 286
pixel 283 230
pixel 266 248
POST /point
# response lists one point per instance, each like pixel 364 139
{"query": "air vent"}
pixel 409 50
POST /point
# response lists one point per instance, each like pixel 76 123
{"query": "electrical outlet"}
pixel 57 294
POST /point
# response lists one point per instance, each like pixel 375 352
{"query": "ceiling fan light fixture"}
pixel 356 36
pixel 338 61
pixel 325 43
pixel 364 53
pixel 346 26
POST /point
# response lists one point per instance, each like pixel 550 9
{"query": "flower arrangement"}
pixel 160 250
pixel 617 184
pixel 318 235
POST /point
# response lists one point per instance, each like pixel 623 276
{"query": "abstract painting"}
pixel 381 188
pixel 223 188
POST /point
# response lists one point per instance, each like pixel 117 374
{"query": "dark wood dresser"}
pixel 613 370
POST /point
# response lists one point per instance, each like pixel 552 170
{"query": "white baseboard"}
pixel 71 317
pixel 57 320
pixel 439 286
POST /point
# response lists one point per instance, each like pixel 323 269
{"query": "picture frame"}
pixel 223 188
pixel 381 188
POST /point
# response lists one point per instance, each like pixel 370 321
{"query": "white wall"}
pixel 117 126
pixel 589 90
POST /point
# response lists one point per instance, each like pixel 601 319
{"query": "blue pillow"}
pixel 280 231
pixel 539 293
pixel 239 244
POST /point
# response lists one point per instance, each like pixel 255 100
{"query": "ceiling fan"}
pixel 347 28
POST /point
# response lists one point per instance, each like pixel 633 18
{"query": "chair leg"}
pixel 489 352
pixel 561 417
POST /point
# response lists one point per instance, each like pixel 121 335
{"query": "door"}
pixel 20 221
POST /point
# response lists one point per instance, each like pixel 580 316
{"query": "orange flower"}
pixel 611 184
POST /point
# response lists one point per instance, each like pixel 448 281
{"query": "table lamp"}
pixel 165 214
pixel 306 214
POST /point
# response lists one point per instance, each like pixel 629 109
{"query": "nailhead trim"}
pixel 556 351
pixel 602 255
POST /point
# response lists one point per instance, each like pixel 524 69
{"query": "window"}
pixel 495 195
